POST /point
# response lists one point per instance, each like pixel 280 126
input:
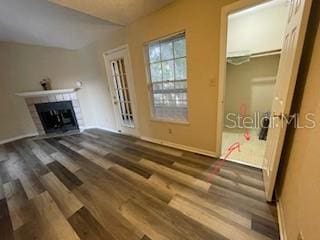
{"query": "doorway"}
pixel 292 41
pixel 119 73
pixel 254 40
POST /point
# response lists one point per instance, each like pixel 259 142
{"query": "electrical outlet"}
pixel 300 236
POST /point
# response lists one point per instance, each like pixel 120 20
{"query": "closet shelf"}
pixel 255 55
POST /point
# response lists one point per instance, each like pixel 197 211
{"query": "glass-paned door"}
pixel 123 100
pixel 122 90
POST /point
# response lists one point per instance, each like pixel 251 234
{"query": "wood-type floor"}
pixel 101 185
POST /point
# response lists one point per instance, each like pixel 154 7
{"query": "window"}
pixel 168 78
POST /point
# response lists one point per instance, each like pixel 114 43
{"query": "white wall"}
pixel 259 29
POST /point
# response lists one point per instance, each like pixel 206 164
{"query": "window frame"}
pixel 149 81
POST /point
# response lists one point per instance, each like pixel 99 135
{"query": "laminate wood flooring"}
pixel 100 185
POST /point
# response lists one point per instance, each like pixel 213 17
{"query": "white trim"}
pixel 160 142
pixel 120 48
pixel 153 140
pixel 99 127
pixel 149 82
pixel 106 55
pixel 282 227
pixel 170 35
pixel 244 163
pixel 180 146
pixel 18 137
pixel 46 92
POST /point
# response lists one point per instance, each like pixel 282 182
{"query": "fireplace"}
pixel 56 110
pixel 57 116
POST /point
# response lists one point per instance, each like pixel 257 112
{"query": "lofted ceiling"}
pixel 40 22
pixel 71 25
pixel 118 11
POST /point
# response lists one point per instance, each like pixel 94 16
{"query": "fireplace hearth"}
pixel 57 116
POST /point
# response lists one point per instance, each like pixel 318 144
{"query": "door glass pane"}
pixel 122 92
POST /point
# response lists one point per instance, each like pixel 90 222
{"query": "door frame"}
pixel 131 86
pixel 226 10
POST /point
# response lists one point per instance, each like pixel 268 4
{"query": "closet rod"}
pixel 266 53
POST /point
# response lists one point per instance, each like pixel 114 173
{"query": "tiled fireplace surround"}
pixel 59 97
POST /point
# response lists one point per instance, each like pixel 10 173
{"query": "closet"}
pixel 254 43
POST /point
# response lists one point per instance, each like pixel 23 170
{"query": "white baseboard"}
pixel 36 134
pixel 180 146
pixel 243 163
pixel 282 228
pixel 18 138
pixel 161 142
pixel 99 127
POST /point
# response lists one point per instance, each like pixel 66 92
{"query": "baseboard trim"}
pixel 36 134
pixel 18 138
pixel 160 142
pixel 99 127
pixel 282 227
pixel 180 146
pixel 244 163
pixel 148 139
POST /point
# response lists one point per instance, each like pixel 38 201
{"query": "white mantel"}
pixel 46 92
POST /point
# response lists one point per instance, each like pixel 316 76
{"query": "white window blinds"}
pixel 168 78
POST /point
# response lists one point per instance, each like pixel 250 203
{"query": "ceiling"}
pixel 41 22
pixel 118 11
pixel 260 7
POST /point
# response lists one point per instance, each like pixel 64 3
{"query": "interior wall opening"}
pixel 254 40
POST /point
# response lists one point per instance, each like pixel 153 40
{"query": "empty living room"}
pixel 159 120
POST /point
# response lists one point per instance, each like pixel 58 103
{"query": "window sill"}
pixel 179 122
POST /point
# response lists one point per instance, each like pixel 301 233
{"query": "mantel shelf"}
pixel 47 92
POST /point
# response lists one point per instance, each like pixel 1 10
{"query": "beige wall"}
pixel 23 66
pixel 93 71
pixel 10 124
pixel 252 84
pixel 202 25
pixel 300 178
pixel 26 65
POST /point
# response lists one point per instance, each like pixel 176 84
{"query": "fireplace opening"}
pixel 57 116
